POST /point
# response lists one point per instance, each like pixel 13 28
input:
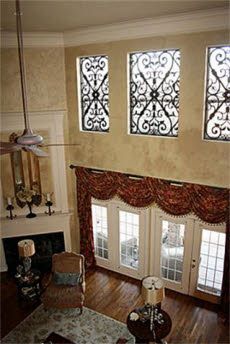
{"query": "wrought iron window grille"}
pixel 154 92
pixel 94 93
pixel 217 100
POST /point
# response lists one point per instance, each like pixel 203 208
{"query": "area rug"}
pixel 88 328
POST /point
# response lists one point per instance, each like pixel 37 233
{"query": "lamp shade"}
pixel 26 248
pixel 152 290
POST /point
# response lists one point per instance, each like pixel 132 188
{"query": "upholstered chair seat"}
pixel 58 295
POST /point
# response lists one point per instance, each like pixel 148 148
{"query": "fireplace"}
pixel 45 245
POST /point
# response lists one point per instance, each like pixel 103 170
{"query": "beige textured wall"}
pixel 45 74
pixel 186 158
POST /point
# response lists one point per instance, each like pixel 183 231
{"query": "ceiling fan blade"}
pixel 37 151
pixel 9 147
pixel 59 144
pixel 7 151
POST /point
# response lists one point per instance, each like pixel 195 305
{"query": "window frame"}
pixel 205 136
pixel 79 99
pixel 129 116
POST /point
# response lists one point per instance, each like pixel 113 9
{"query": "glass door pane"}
pixel 129 239
pixel 172 251
pixel 211 267
pixel 100 230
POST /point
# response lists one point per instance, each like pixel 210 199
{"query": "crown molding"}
pixel 33 39
pixel 197 21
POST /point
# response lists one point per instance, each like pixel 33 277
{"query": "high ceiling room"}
pixel 115 171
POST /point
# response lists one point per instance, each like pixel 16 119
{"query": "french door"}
pixel 188 255
pixel 172 255
pixel 207 262
pixel 130 237
pixel 120 237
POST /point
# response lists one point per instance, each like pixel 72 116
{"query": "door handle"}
pixel 193 263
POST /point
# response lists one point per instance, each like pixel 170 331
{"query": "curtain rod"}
pixel 133 176
pixel 97 170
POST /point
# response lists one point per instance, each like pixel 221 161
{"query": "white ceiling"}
pixel 60 16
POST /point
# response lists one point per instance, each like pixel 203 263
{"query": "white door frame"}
pixel 155 254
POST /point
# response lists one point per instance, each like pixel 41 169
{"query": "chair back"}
pixel 68 262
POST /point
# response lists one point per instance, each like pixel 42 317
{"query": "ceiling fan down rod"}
pixel 28 137
pixel 22 65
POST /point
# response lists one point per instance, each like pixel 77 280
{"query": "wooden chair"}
pixel 62 295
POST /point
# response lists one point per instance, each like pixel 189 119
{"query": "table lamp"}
pixel 26 249
pixel 153 293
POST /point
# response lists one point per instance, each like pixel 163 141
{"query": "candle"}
pixel 9 201
pixel 48 197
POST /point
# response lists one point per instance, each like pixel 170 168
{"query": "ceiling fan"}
pixel 28 141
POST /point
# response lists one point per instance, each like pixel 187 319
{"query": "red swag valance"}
pixel 208 203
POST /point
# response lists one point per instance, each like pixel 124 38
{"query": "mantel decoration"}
pixel 10 208
pixel 49 204
pixel 210 204
pixel 29 197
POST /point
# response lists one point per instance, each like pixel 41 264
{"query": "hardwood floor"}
pixel 114 295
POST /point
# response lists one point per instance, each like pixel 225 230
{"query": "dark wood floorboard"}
pixel 194 321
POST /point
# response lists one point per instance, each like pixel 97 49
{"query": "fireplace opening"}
pixel 45 246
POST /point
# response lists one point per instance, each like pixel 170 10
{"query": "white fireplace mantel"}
pixel 42 224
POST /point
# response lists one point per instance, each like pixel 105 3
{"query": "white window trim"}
pixel 205 81
pixel 79 103
pixel 128 94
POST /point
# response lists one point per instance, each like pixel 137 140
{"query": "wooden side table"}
pixel 29 285
pixel 141 330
